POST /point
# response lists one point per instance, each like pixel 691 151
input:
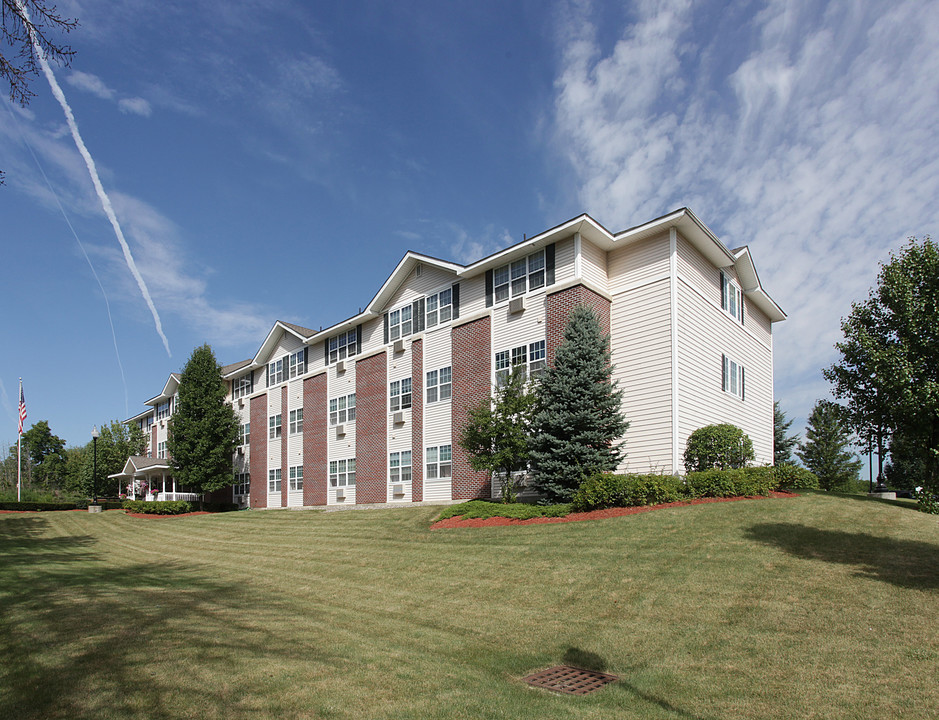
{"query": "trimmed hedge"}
pixel 477 509
pixel 164 507
pixel 794 477
pixel 37 506
pixel 608 490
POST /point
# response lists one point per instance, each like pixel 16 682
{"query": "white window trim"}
pixel 434 462
pixel 344 414
pixel 733 377
pixel 731 298
pixel 434 392
pixel 532 357
pixel 397 395
pixel 295 421
pixel 342 472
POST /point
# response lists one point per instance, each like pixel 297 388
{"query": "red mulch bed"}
pixel 459 522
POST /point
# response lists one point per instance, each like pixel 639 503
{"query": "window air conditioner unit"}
pixel 340 430
pixel 241 402
pixel 398 417
pixel 399 346
pixel 340 493
pixel 516 305
pixel 397 490
pixel 162 423
pixel 341 366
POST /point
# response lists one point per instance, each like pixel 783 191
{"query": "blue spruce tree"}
pixel 579 414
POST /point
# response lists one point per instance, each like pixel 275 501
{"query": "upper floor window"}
pixel 529 359
pixel 244 434
pixel 520 276
pixel 342 472
pixel 296 477
pixel 731 298
pixel 439 384
pixel 400 394
pixel 439 307
pixel 343 345
pixel 399 466
pixel 296 421
pixel 274 426
pixel 298 363
pixel 243 386
pixel 733 377
pixel 161 449
pixel 163 410
pixel 275 372
pixel 273 480
pixel 342 409
pixel 399 322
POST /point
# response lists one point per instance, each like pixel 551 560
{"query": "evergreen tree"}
pixel 496 432
pixel 825 451
pixel 203 430
pixel 783 445
pixel 579 414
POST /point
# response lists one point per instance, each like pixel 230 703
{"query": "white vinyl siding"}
pixel 593 264
pixel 638 263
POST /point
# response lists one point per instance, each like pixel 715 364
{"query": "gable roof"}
pixel 235 367
pixel 169 389
pixel 136 463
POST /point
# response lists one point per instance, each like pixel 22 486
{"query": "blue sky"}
pixel 275 160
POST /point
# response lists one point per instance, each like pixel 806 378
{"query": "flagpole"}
pixel 19 444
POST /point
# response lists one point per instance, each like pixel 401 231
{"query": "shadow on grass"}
pixel 905 563
pixel 82 636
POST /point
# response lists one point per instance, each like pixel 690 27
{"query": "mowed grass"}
pixel 815 607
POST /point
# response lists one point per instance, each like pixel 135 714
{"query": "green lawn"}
pixel 823 607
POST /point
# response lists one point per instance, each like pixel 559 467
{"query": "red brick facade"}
pixel 417 420
pixel 284 431
pixel 258 465
pixel 558 307
pixel 371 428
pixel 315 470
pixel 471 347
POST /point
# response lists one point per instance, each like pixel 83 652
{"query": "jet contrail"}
pixel 93 171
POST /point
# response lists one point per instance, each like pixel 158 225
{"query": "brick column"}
pixel 315 475
pixel 417 420
pixel 371 429
pixel 284 432
pixel 471 361
pixel 258 463
pixel 558 307
pixel 153 440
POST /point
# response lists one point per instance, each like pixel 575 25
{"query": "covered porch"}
pixel 145 478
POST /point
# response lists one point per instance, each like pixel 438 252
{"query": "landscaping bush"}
pixel 741 482
pixel 717 446
pixel 37 506
pixel 165 507
pixel 794 477
pixel 605 490
pixel 475 509
pixel 927 500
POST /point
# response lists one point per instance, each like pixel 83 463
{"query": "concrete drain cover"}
pixel 570 680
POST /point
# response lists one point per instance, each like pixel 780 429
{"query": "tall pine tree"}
pixel 783 444
pixel 825 450
pixel 579 415
pixel 204 428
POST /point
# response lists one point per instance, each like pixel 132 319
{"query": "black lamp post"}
pixel 94 466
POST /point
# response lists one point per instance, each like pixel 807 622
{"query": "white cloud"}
pixel 89 83
pixel 815 145
pixel 135 106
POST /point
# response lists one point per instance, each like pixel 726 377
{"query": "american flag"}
pixel 22 408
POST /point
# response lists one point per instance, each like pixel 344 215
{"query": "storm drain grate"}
pixel 570 680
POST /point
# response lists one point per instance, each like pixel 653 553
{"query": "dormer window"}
pixel 731 298
pixel 275 372
pixel 298 363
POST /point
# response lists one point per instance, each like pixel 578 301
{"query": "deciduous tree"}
pixel 203 430
pixel 579 415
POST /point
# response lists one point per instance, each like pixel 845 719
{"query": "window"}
pixel 530 359
pixel 343 345
pixel 244 434
pixel 273 480
pixel 438 465
pixel 342 409
pixel 298 363
pixel 400 392
pixel 273 424
pixel 342 472
pixel 399 322
pixel 243 483
pixel 439 384
pixel 732 377
pixel 161 450
pixel 296 421
pixel 242 387
pixel 296 477
pixel 399 465
pixel 731 298
pixel 439 307
pixel 163 410
pixel 275 372
pixel 521 276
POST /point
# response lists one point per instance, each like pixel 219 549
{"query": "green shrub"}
pixel 165 507
pixel 794 477
pixel 927 500
pixel 605 490
pixel 741 482
pixel 37 506
pixel 717 446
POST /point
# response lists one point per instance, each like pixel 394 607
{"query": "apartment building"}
pixel 370 409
